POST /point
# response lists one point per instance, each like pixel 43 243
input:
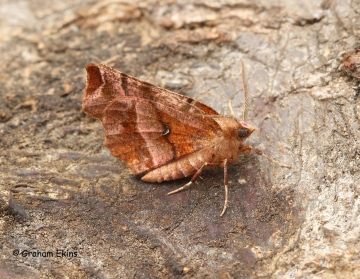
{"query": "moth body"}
pixel 226 146
pixel 183 167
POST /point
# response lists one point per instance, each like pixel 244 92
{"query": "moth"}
pixel 351 63
pixel 163 135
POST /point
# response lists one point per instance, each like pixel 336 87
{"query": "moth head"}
pixel 245 130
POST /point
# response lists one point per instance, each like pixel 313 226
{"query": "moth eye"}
pixel 166 130
pixel 243 132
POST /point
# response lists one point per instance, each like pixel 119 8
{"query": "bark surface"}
pixel 68 209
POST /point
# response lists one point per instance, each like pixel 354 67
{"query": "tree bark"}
pixel 70 209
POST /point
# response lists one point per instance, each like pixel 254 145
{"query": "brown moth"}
pixel 160 134
pixel 351 63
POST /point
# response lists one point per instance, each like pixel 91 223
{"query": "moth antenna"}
pixel 246 91
pixel 231 108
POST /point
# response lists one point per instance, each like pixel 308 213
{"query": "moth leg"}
pixel 195 176
pixel 226 179
pixel 249 148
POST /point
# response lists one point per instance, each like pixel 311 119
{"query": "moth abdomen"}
pixel 183 167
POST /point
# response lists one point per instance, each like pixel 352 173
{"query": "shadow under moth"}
pixel 163 135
